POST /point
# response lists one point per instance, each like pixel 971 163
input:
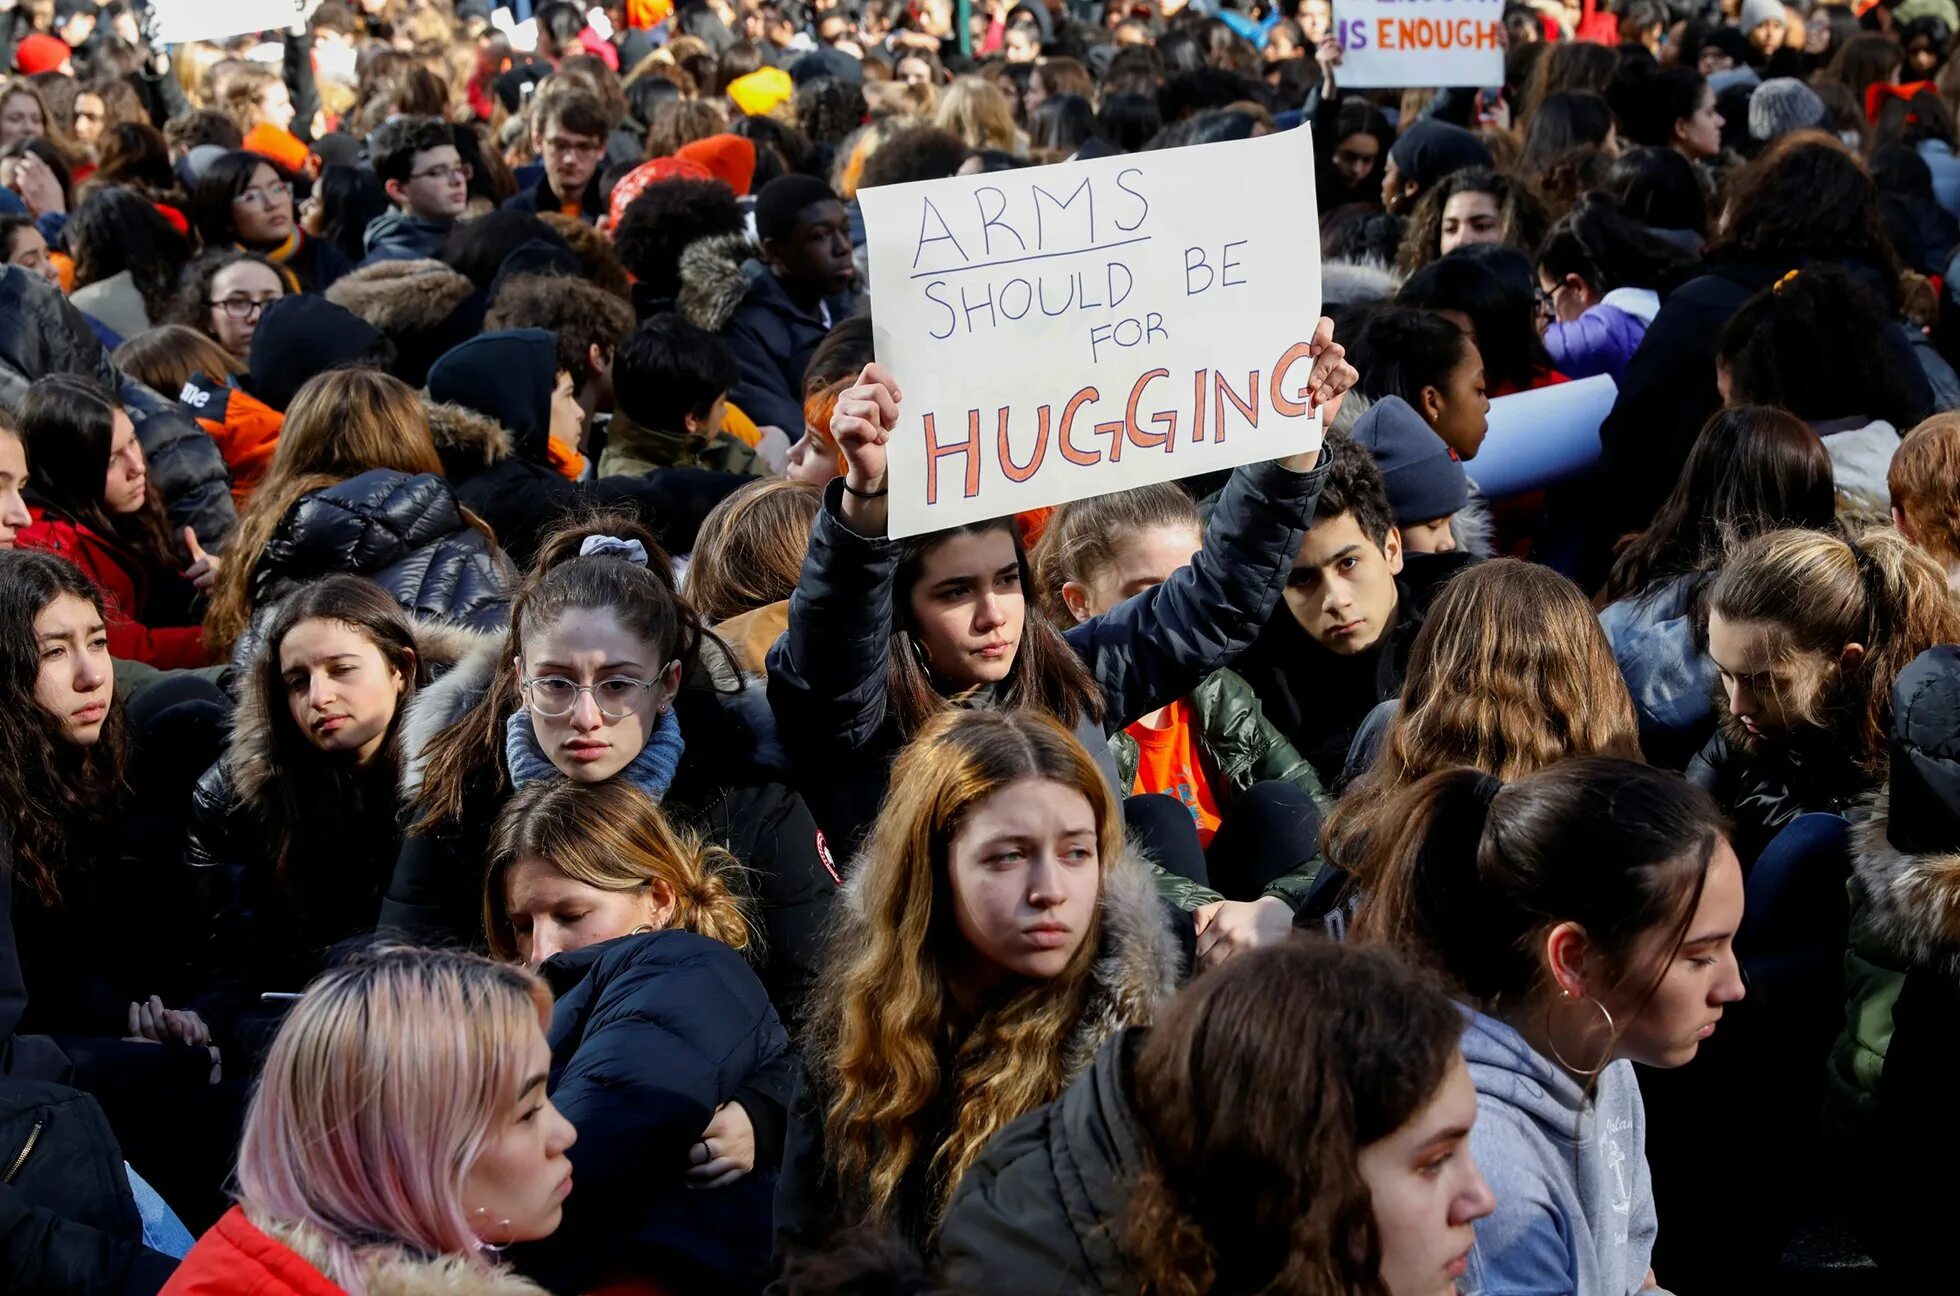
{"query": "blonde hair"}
pixel 1083 538
pixel 977 112
pixel 239 89
pixel 611 836
pixel 1925 483
pixel 379 1093
pixel 882 1011
pixel 749 552
pixel 341 424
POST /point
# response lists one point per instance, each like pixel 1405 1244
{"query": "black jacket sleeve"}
pixel 1158 646
pixel 806 1212
pixel 299 79
pixel 434 897
pixel 43 1253
pixel 227 922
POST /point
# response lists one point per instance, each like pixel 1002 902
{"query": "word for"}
pixel 1422 34
pixel 1208 387
pixel 1040 220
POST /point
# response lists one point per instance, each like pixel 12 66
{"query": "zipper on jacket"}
pixel 20 1158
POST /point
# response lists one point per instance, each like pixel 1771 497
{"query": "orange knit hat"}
pixel 728 158
pixel 276 145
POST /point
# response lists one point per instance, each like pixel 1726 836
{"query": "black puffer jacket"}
pixel 1036 1214
pixel 827 675
pixel 650 1035
pixel 1763 790
pixel 33 1057
pixel 42 334
pixel 728 788
pixel 258 932
pixel 405 532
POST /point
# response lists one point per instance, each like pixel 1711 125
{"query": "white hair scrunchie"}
pixel 606 546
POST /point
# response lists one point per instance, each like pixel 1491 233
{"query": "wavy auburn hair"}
pixel 1510 673
pixel 379 1093
pixel 1256 1094
pixel 883 1012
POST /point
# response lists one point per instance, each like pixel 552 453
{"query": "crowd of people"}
pixel 487 808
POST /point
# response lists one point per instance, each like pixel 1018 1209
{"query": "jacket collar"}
pixel 1912 901
pixel 400 1273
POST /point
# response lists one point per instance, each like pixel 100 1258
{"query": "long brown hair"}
pixel 168 356
pixel 1509 673
pixel 465 760
pixel 341 424
pixel 1256 1094
pixel 749 552
pixel 1084 537
pixel 884 1042
pixel 1046 675
pixel 1822 592
pixel 613 837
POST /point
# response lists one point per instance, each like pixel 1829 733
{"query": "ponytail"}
pixel 1084 537
pixel 1909 609
pixel 1475 873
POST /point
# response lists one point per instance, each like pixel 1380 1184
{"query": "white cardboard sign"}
pixel 1066 331
pixel 1391 44
pixel 182 21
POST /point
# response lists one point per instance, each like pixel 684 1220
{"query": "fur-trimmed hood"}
pixel 468 441
pixel 714 280
pixel 406 1275
pixel 248 764
pixel 399 297
pixel 1912 901
pixel 1356 283
pixel 1140 967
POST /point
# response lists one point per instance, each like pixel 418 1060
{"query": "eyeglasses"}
pixel 444 174
pixel 574 148
pixel 554 696
pixel 264 196
pixel 244 307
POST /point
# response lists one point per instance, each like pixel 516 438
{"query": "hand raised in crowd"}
pixel 726 1151
pixel 1228 927
pixel 1327 387
pixel 1328 55
pixel 865 418
pixel 203 571
pixel 37 186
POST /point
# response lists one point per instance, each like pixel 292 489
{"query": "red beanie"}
pixel 41 53
pixel 728 158
pixel 636 181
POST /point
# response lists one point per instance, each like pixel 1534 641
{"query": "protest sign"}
pixel 1389 44
pixel 1066 331
pixel 181 21
pixel 1543 437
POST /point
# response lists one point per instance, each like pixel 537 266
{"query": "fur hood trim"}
pixel 248 754
pixel 713 282
pixel 462 434
pixel 399 297
pixel 1473 528
pixel 1141 964
pixel 1912 902
pixel 400 1274
pixel 1355 283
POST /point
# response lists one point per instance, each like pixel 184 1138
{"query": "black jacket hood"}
pixel 299 338
pixel 508 376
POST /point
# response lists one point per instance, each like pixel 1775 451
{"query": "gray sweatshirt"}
pixel 1575 1206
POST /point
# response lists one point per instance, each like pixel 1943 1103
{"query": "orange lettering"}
pixel 1290 407
pixel 1165 419
pixel 1080 458
pixel 1247 408
pixel 969 447
pixel 1014 472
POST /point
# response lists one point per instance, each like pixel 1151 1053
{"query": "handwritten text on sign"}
pixel 1067 331
pixel 1396 43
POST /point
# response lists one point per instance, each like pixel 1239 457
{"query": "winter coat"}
pixel 423 307
pixel 1037 1213
pixel 751 635
pixel 245 1255
pixel 1575 1202
pixel 299 337
pixel 827 675
pixel 1604 338
pixel 1764 790
pixel 68 1223
pixel 1138 969
pixel 245 428
pixel 726 290
pixel 30 1057
pixel 396 235
pixel 541 197
pixel 1861 451
pixel 1669 392
pixel 316 262
pixel 260 932
pixel 126 587
pixel 727 788
pixel 42 333
pixel 1939 158
pixel 115 302
pixel 405 532
pixel 1238 745
pixel 652 1033
pixel 1653 635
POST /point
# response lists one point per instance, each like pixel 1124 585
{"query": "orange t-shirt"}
pixel 1167 762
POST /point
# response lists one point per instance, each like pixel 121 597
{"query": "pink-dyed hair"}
pixel 377 1097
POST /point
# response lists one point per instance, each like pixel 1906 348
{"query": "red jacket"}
pixel 236 1259
pixel 119 575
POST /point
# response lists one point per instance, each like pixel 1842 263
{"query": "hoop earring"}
pixel 642 930
pixel 1591 1073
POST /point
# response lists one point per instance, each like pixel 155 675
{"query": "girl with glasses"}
pixel 223 295
pixel 244 201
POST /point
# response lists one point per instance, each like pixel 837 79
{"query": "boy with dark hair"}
pixel 1339 643
pixel 425 176
pixel 799 286
pixel 569 129
pixel 588 322
pixel 671 381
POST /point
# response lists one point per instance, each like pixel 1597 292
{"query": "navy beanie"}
pixel 1424 481
pixel 1430 150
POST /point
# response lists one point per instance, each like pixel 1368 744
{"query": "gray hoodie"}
pixel 1575 1206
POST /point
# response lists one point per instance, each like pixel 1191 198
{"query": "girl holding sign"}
pixel 884 635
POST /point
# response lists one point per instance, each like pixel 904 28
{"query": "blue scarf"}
pixel 652 771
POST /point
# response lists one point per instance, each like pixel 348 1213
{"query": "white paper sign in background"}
pixel 180 21
pixel 1390 44
pixel 1066 331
